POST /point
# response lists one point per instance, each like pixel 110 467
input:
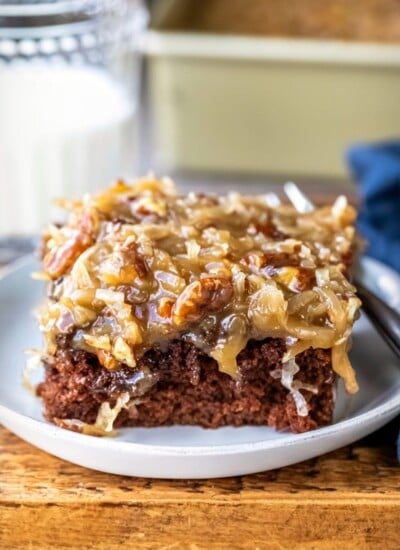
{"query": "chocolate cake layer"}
pixel 187 388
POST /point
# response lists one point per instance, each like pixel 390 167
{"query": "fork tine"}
pixel 298 199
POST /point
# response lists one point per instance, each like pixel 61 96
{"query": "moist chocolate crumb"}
pixel 187 388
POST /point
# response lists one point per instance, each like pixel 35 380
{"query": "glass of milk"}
pixel 69 87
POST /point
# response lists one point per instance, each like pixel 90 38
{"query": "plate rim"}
pixel 287 440
pixel 385 409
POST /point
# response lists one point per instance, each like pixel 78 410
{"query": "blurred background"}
pixel 219 94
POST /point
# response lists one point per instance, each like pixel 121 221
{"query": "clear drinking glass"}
pixel 69 89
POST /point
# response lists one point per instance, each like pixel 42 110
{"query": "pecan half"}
pixel 270 260
pixel 270 230
pixel 132 257
pixel 297 279
pixel 208 294
pixel 59 258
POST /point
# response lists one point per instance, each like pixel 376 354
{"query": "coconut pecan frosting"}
pixel 139 265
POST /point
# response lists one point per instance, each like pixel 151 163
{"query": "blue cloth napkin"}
pixel 376 170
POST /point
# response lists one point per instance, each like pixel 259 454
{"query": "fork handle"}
pixel 385 319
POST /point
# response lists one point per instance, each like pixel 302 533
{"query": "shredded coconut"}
pixel 289 370
pixel 104 422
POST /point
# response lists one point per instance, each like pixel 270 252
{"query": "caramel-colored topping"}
pixel 138 265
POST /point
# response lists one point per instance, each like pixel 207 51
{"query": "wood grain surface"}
pixel 346 499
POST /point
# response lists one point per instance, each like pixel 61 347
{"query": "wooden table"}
pixel 346 499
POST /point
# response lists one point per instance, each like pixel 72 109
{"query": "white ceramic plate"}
pixel 190 452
